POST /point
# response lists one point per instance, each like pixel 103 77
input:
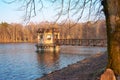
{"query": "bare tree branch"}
pixel 66 7
pixel 9 2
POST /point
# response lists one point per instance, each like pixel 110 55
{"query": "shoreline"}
pixel 89 68
pixel 15 42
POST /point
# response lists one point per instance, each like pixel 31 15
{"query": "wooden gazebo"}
pixel 47 37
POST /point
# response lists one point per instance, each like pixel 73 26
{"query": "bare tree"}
pixel 91 8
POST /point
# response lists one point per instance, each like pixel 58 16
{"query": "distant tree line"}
pixel 17 33
pixel 88 30
pixel 28 33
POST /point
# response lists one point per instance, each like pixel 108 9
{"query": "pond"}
pixel 19 61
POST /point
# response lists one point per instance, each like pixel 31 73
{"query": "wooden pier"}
pixel 50 39
pixel 81 42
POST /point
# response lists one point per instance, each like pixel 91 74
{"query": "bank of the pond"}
pixel 87 69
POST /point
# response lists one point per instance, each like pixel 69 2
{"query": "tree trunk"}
pixel 112 14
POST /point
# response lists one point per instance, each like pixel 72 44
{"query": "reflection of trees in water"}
pixel 48 61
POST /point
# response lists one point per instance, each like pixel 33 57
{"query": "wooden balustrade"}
pixel 81 42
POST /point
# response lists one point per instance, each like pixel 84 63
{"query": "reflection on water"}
pixel 48 60
pixel 21 62
pixel 48 57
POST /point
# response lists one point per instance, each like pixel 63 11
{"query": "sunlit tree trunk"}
pixel 112 13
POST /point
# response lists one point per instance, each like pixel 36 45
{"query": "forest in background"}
pixel 28 33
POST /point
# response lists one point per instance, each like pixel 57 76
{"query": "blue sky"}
pixel 10 13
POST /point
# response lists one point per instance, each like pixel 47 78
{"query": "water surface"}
pixel 19 61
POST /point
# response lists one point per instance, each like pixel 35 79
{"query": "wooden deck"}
pixel 45 46
pixel 73 42
pixel 81 42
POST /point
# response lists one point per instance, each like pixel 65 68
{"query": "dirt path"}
pixel 87 69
